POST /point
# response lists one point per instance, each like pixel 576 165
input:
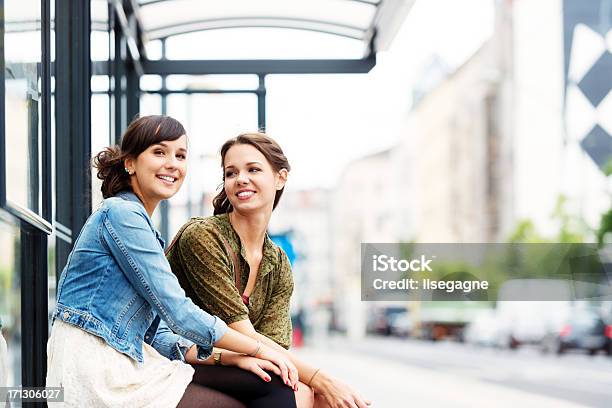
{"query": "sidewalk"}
pixel 394 385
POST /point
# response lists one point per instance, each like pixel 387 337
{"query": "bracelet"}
pixel 253 354
pixel 313 376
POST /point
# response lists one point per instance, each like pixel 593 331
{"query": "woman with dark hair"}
pixel 123 327
pixel 229 266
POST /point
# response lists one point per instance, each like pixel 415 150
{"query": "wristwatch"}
pixel 217 357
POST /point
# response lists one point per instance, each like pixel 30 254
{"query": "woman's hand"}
pixel 235 341
pixel 336 393
pixel 252 364
pixel 288 372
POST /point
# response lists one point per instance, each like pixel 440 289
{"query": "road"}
pixel 410 373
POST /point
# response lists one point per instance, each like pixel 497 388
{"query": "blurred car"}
pixel 584 330
pixel 380 321
pixel 483 330
pixel 524 321
pixel 529 322
pixel 400 324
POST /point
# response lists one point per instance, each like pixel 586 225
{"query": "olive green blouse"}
pixel 200 260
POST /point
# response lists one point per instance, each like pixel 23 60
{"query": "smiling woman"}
pixel 230 267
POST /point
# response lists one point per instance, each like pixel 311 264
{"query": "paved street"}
pixel 408 373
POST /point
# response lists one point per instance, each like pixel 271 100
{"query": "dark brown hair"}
pixel 271 151
pixel 140 134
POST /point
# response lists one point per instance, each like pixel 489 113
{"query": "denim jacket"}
pixel 117 284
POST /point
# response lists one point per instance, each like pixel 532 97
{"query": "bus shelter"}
pixel 69 63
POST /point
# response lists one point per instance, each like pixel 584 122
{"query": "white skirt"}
pixel 94 374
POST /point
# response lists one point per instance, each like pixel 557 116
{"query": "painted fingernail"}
pixel 268 379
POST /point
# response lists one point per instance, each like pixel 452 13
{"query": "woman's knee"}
pixel 276 383
pixel 270 394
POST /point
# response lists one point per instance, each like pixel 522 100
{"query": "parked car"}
pixel 584 330
pixel 483 330
pixel 400 324
pixel 528 322
pixel 380 320
pixel 522 321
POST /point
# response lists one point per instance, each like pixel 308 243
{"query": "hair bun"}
pixel 109 163
pixel 105 160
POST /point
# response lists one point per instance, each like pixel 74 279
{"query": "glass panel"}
pixel 99 15
pixel 52 118
pixel 101 50
pixel 100 138
pixel 23 55
pixel 10 303
pixel 262 43
pixel 150 82
pixel 99 46
pixel 51 277
pixel 273 29
pixel 153 49
pixel 210 82
pixel 150 104
pixel 99 83
pixel 210 119
pixel 162 17
pixel 113 81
